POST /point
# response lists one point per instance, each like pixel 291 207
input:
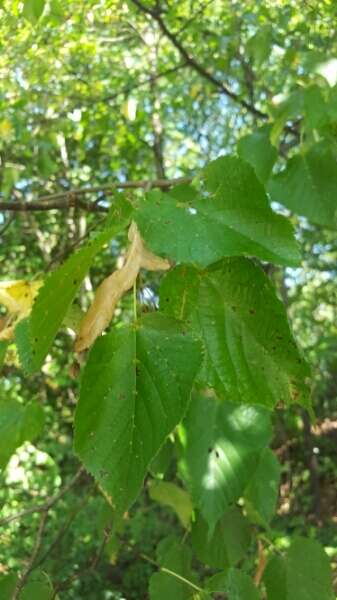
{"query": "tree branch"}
pixel 192 62
pixel 66 200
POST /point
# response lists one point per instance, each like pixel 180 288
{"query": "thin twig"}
pixel 46 506
pixel 30 566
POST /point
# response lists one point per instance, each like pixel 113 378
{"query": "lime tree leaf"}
pixel 260 45
pixel 18 423
pixel 233 218
pixel 35 335
pixel 262 492
pixel 169 494
pixel 174 557
pixel 162 460
pixel 7 585
pixel 33 9
pixel 258 151
pixel 228 543
pixel 135 389
pixel 240 587
pixel 38 587
pixel 250 353
pixel 307 186
pixel 222 446
pixel 303 574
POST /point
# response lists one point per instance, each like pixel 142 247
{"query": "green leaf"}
pixel 228 543
pixel 307 186
pixel 223 443
pixel 169 494
pixel 233 219
pixel 33 9
pixel 18 423
pixel 35 335
pixel 240 586
pixel 250 353
pixel 7 585
pixel 162 460
pixel 258 151
pixel 262 492
pixel 135 389
pixel 38 587
pixel 260 45
pixel 303 574
pixel 176 558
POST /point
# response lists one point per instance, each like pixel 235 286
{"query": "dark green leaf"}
pixel 175 557
pixel 135 389
pixel 250 353
pixel 18 423
pixel 228 543
pixel 304 573
pixel 233 219
pixel 308 185
pixel 262 492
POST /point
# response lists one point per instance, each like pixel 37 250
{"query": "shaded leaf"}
pixel 307 186
pixel 228 543
pixel 18 423
pixel 262 492
pixel 175 557
pixel 258 151
pixel 303 574
pixel 169 494
pixel 223 443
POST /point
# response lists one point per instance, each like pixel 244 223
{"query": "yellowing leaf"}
pixel 113 287
pixel 17 297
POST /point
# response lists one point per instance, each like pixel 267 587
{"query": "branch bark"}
pixel 69 199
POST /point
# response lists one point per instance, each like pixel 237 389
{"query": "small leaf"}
pixel 228 543
pixel 258 151
pixel 169 494
pixel 233 219
pixel 18 423
pixel 38 587
pixel 250 353
pixel 175 557
pixel 135 389
pixel 33 9
pixel 240 586
pixel 307 186
pixel 262 492
pixel 223 443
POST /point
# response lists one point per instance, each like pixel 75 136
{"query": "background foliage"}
pixel 94 93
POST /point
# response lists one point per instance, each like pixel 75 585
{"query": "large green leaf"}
pixel 262 492
pixel 258 151
pixel 308 185
pixel 222 446
pixel 250 355
pixel 233 218
pixel 35 334
pixel 135 389
pixel 240 587
pixel 38 587
pixel 228 543
pixel 175 557
pixel 18 423
pixel 303 574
